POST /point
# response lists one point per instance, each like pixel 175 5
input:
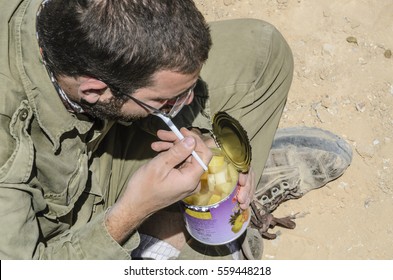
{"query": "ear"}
pixel 90 89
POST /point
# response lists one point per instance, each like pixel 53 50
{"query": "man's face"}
pixel 166 86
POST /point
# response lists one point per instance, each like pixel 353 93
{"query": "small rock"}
pixel 352 40
pixel 362 61
pixel 367 202
pixel 228 2
pixel 388 53
pixel 361 107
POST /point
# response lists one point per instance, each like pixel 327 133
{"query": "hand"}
pixel 169 177
pixel 247 188
pixel 171 138
pixel 246 180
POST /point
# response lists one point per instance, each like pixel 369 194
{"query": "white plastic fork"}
pixel 175 130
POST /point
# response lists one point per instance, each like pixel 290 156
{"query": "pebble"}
pixel 388 53
pixel 361 107
pixel 229 2
pixel 352 39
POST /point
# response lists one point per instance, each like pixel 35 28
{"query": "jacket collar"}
pixel 49 109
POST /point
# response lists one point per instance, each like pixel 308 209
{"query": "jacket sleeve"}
pixel 21 237
pixel 26 233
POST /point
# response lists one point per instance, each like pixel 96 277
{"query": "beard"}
pixel 110 110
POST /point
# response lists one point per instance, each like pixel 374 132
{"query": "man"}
pixel 85 172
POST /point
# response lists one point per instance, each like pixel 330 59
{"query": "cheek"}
pixel 132 109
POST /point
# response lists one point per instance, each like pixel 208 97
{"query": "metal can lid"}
pixel 233 140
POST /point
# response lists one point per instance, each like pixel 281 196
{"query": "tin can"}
pixel 213 215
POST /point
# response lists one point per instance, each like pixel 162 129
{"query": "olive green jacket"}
pixel 60 172
pixel 46 158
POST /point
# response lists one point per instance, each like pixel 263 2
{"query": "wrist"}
pixel 120 225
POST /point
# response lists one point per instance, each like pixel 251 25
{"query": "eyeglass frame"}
pixel 175 109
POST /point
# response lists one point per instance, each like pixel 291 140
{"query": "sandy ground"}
pixel 343 82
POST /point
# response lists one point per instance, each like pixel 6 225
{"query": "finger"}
pixel 200 144
pixel 247 190
pixel 166 135
pixel 161 146
pixel 177 154
pixel 201 148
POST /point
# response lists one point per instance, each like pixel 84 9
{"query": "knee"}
pixel 276 60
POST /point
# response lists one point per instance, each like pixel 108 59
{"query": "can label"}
pixel 219 223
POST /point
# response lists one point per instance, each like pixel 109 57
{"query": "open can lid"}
pixel 233 140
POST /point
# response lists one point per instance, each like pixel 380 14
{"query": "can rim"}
pixel 232 138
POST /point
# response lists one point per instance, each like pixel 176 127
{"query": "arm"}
pixel 28 234
pixel 171 176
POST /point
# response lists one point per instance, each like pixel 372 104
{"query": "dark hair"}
pixel 122 42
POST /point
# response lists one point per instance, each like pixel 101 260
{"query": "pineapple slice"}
pixel 189 200
pixel 224 188
pixel 204 186
pixel 204 175
pixel 211 181
pixel 216 164
pixel 233 173
pixel 221 177
pixel 214 199
pixel 202 199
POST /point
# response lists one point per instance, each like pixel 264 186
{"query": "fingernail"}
pixel 189 141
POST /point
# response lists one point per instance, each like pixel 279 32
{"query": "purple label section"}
pixel 218 224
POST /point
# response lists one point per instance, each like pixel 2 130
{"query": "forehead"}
pixel 168 84
pixel 167 78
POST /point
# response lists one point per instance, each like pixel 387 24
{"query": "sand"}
pixel 343 82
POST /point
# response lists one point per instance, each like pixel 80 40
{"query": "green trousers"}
pixel 247 75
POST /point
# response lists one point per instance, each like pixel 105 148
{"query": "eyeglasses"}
pixel 169 108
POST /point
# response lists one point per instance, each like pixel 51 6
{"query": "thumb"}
pixel 179 152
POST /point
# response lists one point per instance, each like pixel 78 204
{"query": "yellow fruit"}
pixel 202 199
pixel 220 177
pixel 211 181
pixel 216 164
pixel 214 199
pixel 224 188
pixel 238 224
pixel 189 200
pixel 233 173
pixel 204 176
pixel 204 187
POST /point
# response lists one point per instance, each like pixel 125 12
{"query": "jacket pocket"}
pixel 62 203
pixel 17 169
